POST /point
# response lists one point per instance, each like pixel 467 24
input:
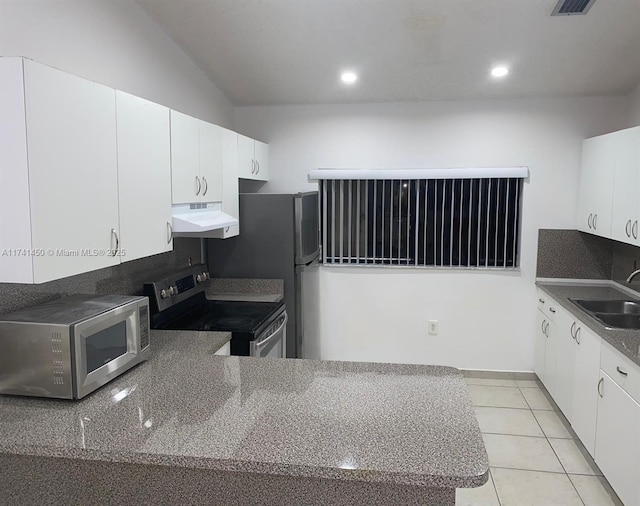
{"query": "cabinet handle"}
pixel 552 310
pixel 542 326
pixel 578 335
pixel 541 301
pixel 226 229
pixel 206 185
pixel 621 371
pixel 198 186
pixel 573 329
pixel 253 166
pixel 600 383
pixel 627 227
pixel 114 234
pixel 546 329
pixel 169 232
pixel 634 229
pixel 258 167
pixel 589 220
pixel 595 221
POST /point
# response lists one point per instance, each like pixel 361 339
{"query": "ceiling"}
pixel 266 52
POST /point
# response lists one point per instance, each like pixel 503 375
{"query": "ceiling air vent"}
pixel 571 7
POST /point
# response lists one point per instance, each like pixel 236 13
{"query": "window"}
pixel 463 222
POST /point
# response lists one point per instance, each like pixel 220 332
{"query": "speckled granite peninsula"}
pixel 190 427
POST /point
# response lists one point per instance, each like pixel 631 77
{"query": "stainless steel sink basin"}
pixel 620 321
pixel 621 314
pixel 621 307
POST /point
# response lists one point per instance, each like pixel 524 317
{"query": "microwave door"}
pixel 104 347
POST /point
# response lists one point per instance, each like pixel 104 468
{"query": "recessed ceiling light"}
pixel 349 77
pixel 499 71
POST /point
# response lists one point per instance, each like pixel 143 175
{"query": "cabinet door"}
pixel 71 136
pixel 230 196
pixel 626 209
pixel 262 161
pixel 186 186
pixel 585 392
pixel 550 358
pixel 540 345
pixel 144 177
pixel 210 162
pixel 246 157
pixel 596 185
pixel 565 328
pixel 618 440
pixel 15 214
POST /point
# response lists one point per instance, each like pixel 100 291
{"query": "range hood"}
pixel 198 220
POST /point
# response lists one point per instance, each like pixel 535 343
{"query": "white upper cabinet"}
pixel 186 186
pixel 210 162
pixel 253 159
pixel 610 176
pixel 70 138
pixel 144 177
pixel 626 205
pixel 230 192
pixel 196 160
pixel 596 185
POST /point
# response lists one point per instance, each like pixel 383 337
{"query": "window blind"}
pixel 430 222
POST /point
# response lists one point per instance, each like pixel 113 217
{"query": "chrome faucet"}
pixel 633 275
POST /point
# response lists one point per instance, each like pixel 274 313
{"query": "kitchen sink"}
pixel 621 314
pixel 621 307
pixel 620 321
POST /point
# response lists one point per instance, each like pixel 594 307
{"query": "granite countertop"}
pixel 186 407
pixel 626 342
pixel 245 289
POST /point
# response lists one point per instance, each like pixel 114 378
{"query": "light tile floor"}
pixel 534 456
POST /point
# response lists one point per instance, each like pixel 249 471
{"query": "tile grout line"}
pixel 558 457
pixel 495 489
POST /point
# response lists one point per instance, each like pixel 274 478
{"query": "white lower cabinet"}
pixel 540 345
pixel 565 359
pixel 597 389
pixel 225 351
pixel 617 450
pixel 585 381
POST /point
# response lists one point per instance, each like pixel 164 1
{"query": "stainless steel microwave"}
pixel 69 347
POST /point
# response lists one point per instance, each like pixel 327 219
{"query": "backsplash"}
pixel 572 254
pixel 124 279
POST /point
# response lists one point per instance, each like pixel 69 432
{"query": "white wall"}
pixel 380 314
pixel 113 42
pixel 634 107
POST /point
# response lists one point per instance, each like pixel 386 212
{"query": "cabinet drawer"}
pixel 547 305
pixel 622 370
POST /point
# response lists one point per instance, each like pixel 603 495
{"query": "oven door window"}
pixel 106 345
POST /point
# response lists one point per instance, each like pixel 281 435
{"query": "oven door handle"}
pixel 274 333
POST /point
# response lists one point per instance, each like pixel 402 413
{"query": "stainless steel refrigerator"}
pixel 279 238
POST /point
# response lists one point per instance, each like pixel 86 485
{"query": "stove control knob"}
pixel 164 294
pixel 206 275
pixel 199 278
pixel 172 291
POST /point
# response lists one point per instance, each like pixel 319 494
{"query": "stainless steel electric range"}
pixel 178 302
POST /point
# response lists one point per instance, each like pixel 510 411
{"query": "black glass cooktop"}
pixel 221 316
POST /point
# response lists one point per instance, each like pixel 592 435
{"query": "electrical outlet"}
pixel 433 327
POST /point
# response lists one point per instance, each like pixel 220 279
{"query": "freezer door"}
pixel 307 223
pixel 307 309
